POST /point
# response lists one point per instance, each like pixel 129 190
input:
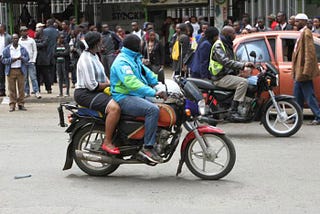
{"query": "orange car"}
pixel 276 47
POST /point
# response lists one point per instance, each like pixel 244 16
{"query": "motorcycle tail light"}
pixel 188 112
pixel 70 118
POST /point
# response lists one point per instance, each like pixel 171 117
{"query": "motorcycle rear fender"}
pixel 73 129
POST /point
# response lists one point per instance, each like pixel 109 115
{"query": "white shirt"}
pixel 15 53
pixel 31 47
pixel 139 33
pixel 2 44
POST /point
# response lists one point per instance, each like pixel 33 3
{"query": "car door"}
pixel 284 49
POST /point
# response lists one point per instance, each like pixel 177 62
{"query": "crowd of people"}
pixel 53 48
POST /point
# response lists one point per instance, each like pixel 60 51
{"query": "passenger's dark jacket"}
pixel 200 61
pixel 227 58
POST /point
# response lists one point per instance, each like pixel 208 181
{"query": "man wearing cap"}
pixel 29 44
pixel 305 67
pixel 40 25
pixel 5 39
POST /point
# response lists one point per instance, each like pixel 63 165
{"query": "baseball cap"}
pixel 23 28
pixel 301 16
pixel 272 16
pixel 38 25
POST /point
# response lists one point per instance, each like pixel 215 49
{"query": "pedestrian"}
pixel 43 75
pixel 153 53
pixel 31 73
pixel 305 67
pixel 15 57
pixel 316 25
pixel 5 40
pixel 136 29
pixel 52 34
pixel 282 22
pixel 111 45
pixel 61 54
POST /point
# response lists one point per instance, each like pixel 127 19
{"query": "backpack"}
pixel 175 50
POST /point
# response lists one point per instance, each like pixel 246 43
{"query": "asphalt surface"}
pixel 271 175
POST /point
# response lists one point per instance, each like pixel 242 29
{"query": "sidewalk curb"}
pixel 46 100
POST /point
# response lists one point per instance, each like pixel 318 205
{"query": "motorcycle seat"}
pixel 206 84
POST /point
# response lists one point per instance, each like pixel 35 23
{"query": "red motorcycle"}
pixel 206 150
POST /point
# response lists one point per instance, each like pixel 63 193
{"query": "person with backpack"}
pixel 180 47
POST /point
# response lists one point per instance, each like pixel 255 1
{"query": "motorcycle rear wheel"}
pixel 286 127
pixel 220 154
pixel 79 143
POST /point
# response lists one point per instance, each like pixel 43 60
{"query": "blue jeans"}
pixel 303 91
pixel 32 73
pixel 137 106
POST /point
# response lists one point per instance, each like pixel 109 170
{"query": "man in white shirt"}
pixel 136 30
pixel 15 57
pixel 5 39
pixel 31 47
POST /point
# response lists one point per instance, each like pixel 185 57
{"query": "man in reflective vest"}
pixel 224 69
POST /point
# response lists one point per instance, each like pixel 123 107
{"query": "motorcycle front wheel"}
pixel 82 141
pixel 285 124
pixel 214 163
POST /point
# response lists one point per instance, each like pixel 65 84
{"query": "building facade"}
pixel 123 11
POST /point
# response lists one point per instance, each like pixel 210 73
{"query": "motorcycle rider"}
pixel 224 69
pixel 131 81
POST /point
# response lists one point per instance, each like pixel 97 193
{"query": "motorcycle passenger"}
pixel 224 69
pixel 131 83
pixel 91 82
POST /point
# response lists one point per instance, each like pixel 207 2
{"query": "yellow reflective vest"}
pixel 214 66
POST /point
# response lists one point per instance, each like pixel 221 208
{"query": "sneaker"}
pixel 314 123
pixel 26 95
pixel 150 154
pixel 60 95
pixel 38 95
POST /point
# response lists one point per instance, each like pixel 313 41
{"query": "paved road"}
pixel 271 175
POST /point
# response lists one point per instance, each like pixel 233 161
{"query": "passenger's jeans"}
pixel 303 91
pixel 136 106
pixel 32 73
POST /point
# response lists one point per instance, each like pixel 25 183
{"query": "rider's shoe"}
pixel 234 116
pixel 113 151
pixel 150 154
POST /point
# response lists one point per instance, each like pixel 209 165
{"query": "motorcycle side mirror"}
pixel 253 54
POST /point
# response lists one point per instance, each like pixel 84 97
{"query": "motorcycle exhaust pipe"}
pixel 88 156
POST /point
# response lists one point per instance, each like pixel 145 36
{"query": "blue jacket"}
pixel 7 60
pixel 200 62
pixel 127 78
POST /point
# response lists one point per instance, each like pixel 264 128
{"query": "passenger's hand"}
pixel 162 94
pixel 249 64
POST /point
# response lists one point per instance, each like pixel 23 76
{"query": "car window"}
pixel 259 46
pixel 272 42
pixel 287 49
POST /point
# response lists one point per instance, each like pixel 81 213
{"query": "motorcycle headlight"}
pixel 277 80
pixel 202 107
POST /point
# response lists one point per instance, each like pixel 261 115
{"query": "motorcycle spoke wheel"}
pixel 285 124
pixel 83 141
pixel 215 162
